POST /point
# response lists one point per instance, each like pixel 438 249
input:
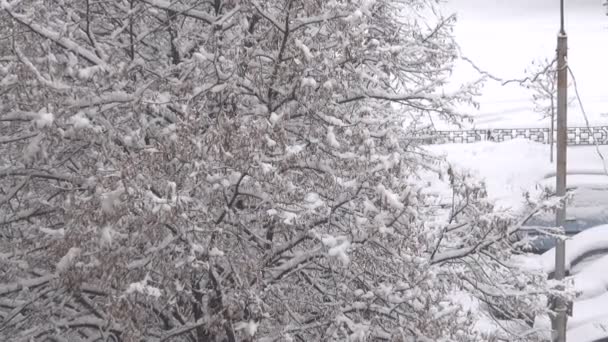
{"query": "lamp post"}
pixel 560 318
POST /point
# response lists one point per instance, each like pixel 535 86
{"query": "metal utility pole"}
pixel 560 319
pixel 551 132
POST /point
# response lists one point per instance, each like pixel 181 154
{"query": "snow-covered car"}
pixel 587 263
pixel 582 252
pixel 587 208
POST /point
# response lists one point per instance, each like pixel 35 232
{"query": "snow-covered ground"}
pixel 515 167
pixel 503 37
pixel 589 321
pixel 512 168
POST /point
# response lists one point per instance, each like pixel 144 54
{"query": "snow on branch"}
pixel 40 174
pixel 302 22
pixel 110 97
pixel 43 80
pixel 187 11
pixel 26 283
pixel 183 329
pixel 278 202
pixel 60 40
pixel 274 21
pixel 17 138
pixel 294 262
pixel 483 243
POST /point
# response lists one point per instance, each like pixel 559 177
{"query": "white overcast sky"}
pixel 522 6
pixel 505 36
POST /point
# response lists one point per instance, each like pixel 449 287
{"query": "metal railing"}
pixel 576 135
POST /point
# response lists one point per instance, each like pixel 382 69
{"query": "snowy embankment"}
pixel 587 260
pixel 510 170
pixel 594 240
pixel 513 168
pixel 589 247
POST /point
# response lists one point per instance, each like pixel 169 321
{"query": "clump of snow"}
pixel 33 149
pixel 292 150
pixel 266 168
pixel 308 56
pixel 333 121
pixel 384 230
pixel 199 57
pixel 355 16
pixel 68 260
pixel 250 327
pixel 143 288
pixel 309 82
pixel 289 217
pixel 107 235
pixel 339 251
pixel 373 43
pixel 329 240
pixel 44 119
pixel 111 200
pixel 328 85
pixel 87 73
pixel 215 252
pixel 385 290
pixel 269 142
pixel 369 207
pixel 274 118
pixel 390 197
pixel 53 232
pixel 202 55
pixel 331 137
pixel 9 80
pixel 197 248
pixel 313 201
pixel 80 121
pixel 218 87
pixel 338 247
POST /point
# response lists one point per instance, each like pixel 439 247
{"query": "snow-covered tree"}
pixel 542 82
pixel 236 170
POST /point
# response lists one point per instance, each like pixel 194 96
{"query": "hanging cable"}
pixel 580 103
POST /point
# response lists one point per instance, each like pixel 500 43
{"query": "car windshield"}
pixel 587 208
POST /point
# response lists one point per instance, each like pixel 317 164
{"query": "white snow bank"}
pixel 586 311
pixel 590 332
pixel 484 323
pixel 585 320
pixel 514 167
pixel 589 321
pixel 587 241
pixel 509 168
pixel 67 260
pixel 592 280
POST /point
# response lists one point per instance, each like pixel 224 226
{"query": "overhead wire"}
pixel 533 79
pixel 580 103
